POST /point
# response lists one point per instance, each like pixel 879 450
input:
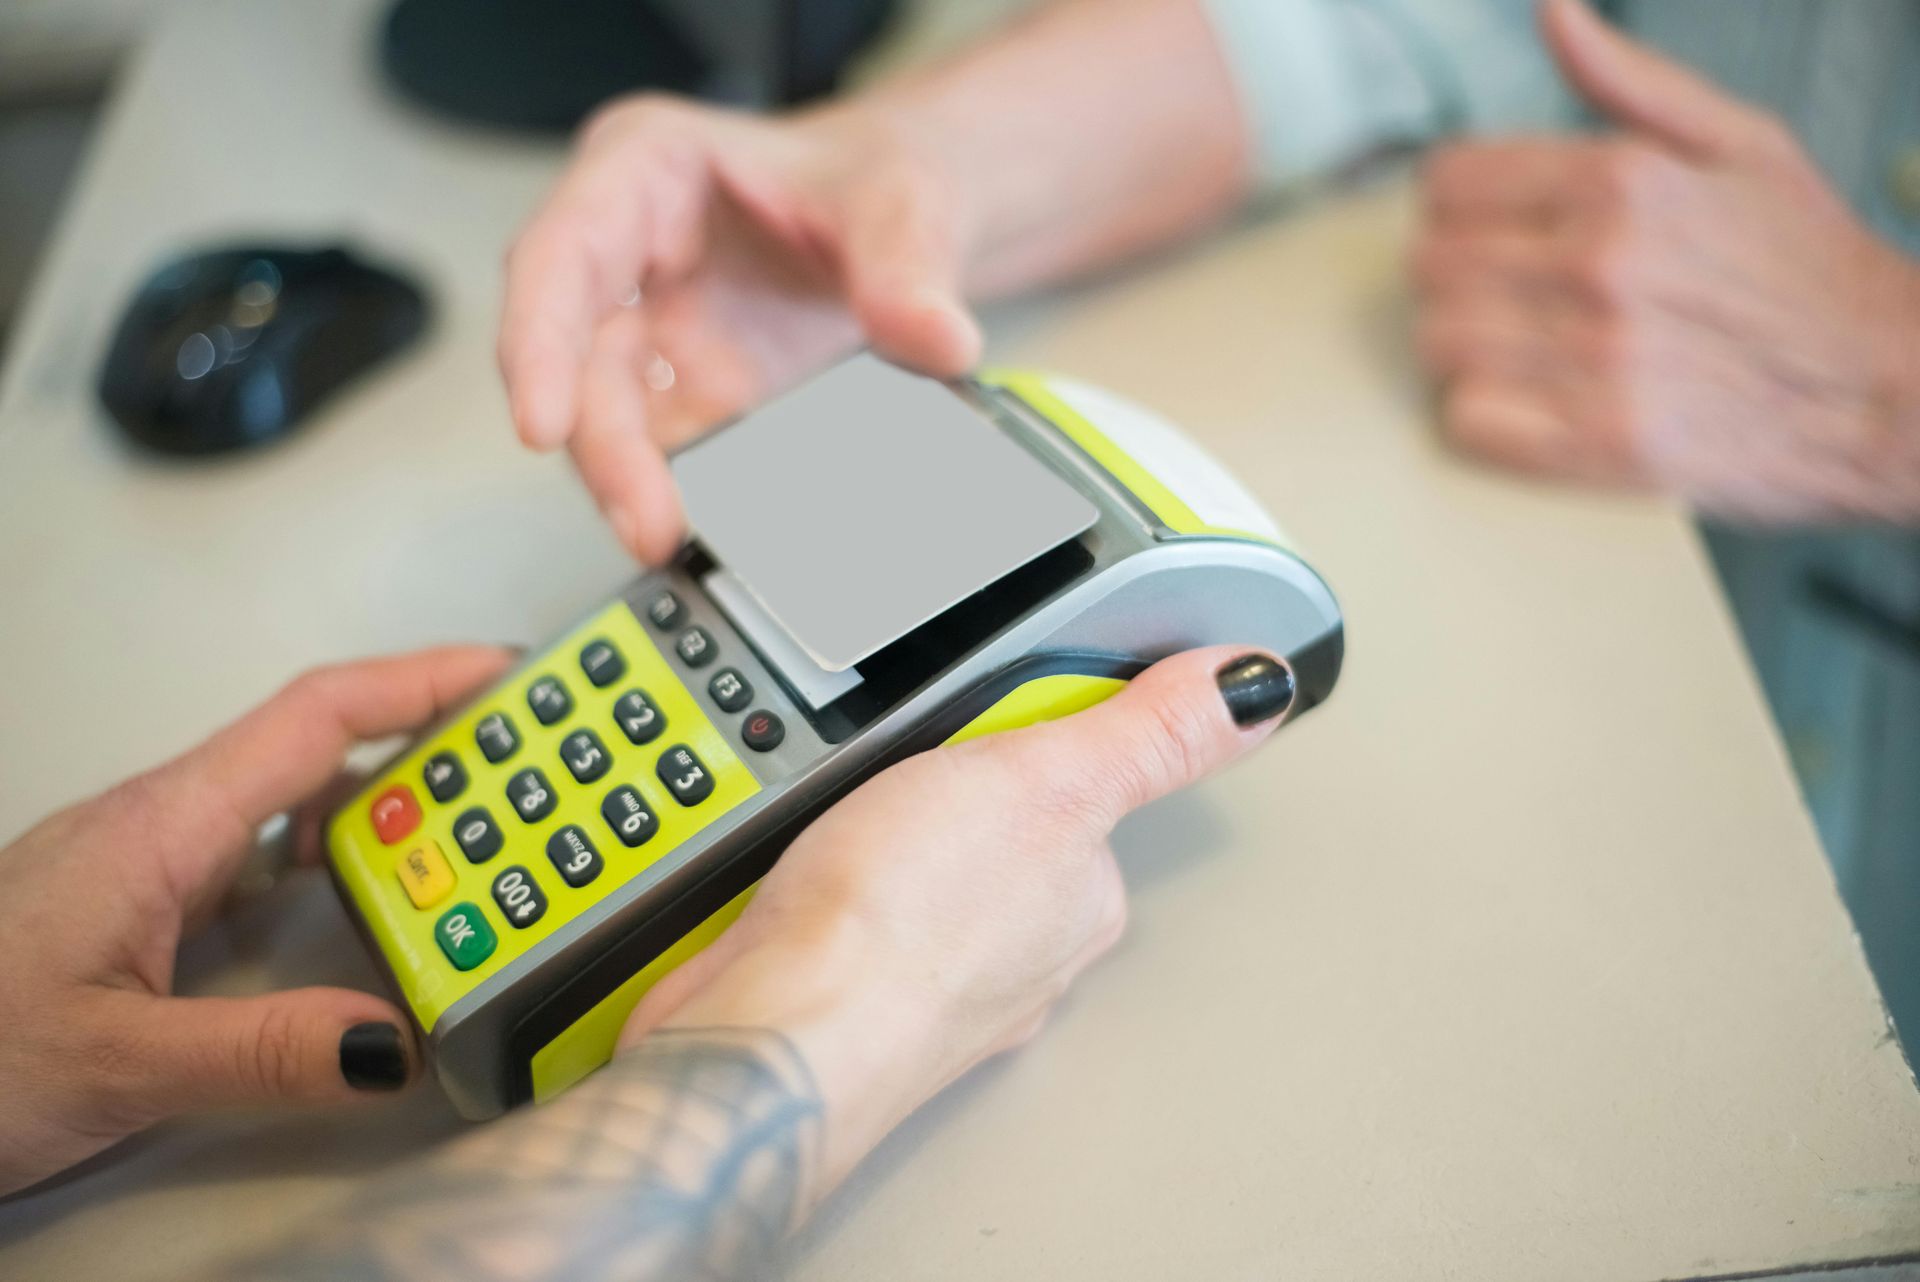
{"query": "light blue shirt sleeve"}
pixel 1326 82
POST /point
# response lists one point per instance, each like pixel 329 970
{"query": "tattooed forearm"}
pixel 687 1157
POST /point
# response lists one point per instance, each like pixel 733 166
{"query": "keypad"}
pixel 479 836
pixel 446 778
pixel 665 612
pixel 639 719
pixel 531 795
pixel 695 647
pixel 762 731
pixel 730 690
pixel 521 900
pixel 576 749
pixel 685 775
pixel 496 736
pixel 573 856
pixel 585 755
pixel 464 936
pixel 626 812
pixel 602 663
pixel 395 813
pixel 549 700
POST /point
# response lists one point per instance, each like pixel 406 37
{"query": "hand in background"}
pixel 691 261
pixel 1682 303
pixel 934 916
pixel 100 896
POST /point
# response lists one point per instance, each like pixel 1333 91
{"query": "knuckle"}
pixel 1607 348
pixel 1602 266
pixel 1171 749
pixel 1441 174
pixel 271 1059
pixel 1629 176
pixel 1185 737
pixel 310 687
pixel 111 1091
pixel 1770 136
pixel 615 116
pixel 1072 801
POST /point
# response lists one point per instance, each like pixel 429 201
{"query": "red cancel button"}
pixel 395 813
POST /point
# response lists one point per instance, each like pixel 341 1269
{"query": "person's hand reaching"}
pixel 935 916
pixel 1683 302
pixel 692 261
pixel 95 1046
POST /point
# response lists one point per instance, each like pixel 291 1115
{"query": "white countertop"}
pixel 1517 960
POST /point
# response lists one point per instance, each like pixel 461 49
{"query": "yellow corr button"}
pixel 425 873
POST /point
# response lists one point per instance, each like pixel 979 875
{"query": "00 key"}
pixel 519 896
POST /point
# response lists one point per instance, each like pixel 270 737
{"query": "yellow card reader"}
pixel 880 563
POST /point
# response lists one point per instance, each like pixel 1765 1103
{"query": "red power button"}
pixel 395 813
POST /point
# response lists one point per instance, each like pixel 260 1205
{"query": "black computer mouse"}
pixel 234 347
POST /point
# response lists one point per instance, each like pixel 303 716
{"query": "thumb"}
pixel 309 1045
pixel 902 281
pixel 1172 725
pixel 1643 90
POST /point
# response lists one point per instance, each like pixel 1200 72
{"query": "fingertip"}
pixel 1256 687
pixel 542 415
pixel 652 533
pixel 1504 425
pixel 928 329
pixel 1231 686
pixel 376 1055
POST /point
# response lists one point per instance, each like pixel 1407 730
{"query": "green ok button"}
pixel 464 936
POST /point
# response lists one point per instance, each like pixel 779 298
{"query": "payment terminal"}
pixel 879 563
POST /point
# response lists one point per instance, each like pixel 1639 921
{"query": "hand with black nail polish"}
pixel 93 1043
pixel 953 898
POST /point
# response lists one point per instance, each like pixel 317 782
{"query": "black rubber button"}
pixel 627 814
pixel 685 775
pixel 531 795
pixel 666 612
pixel 573 856
pixel 549 700
pixel 730 690
pixel 762 731
pixel 521 900
pixel 478 835
pixel 603 664
pixel 446 778
pixel 639 720
pixel 496 736
pixel 585 755
pixel 695 647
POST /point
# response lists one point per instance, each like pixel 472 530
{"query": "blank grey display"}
pixel 867 501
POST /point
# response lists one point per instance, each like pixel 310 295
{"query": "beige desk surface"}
pixel 1518 960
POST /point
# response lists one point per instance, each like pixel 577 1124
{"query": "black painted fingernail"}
pixel 1257 688
pixel 373 1057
